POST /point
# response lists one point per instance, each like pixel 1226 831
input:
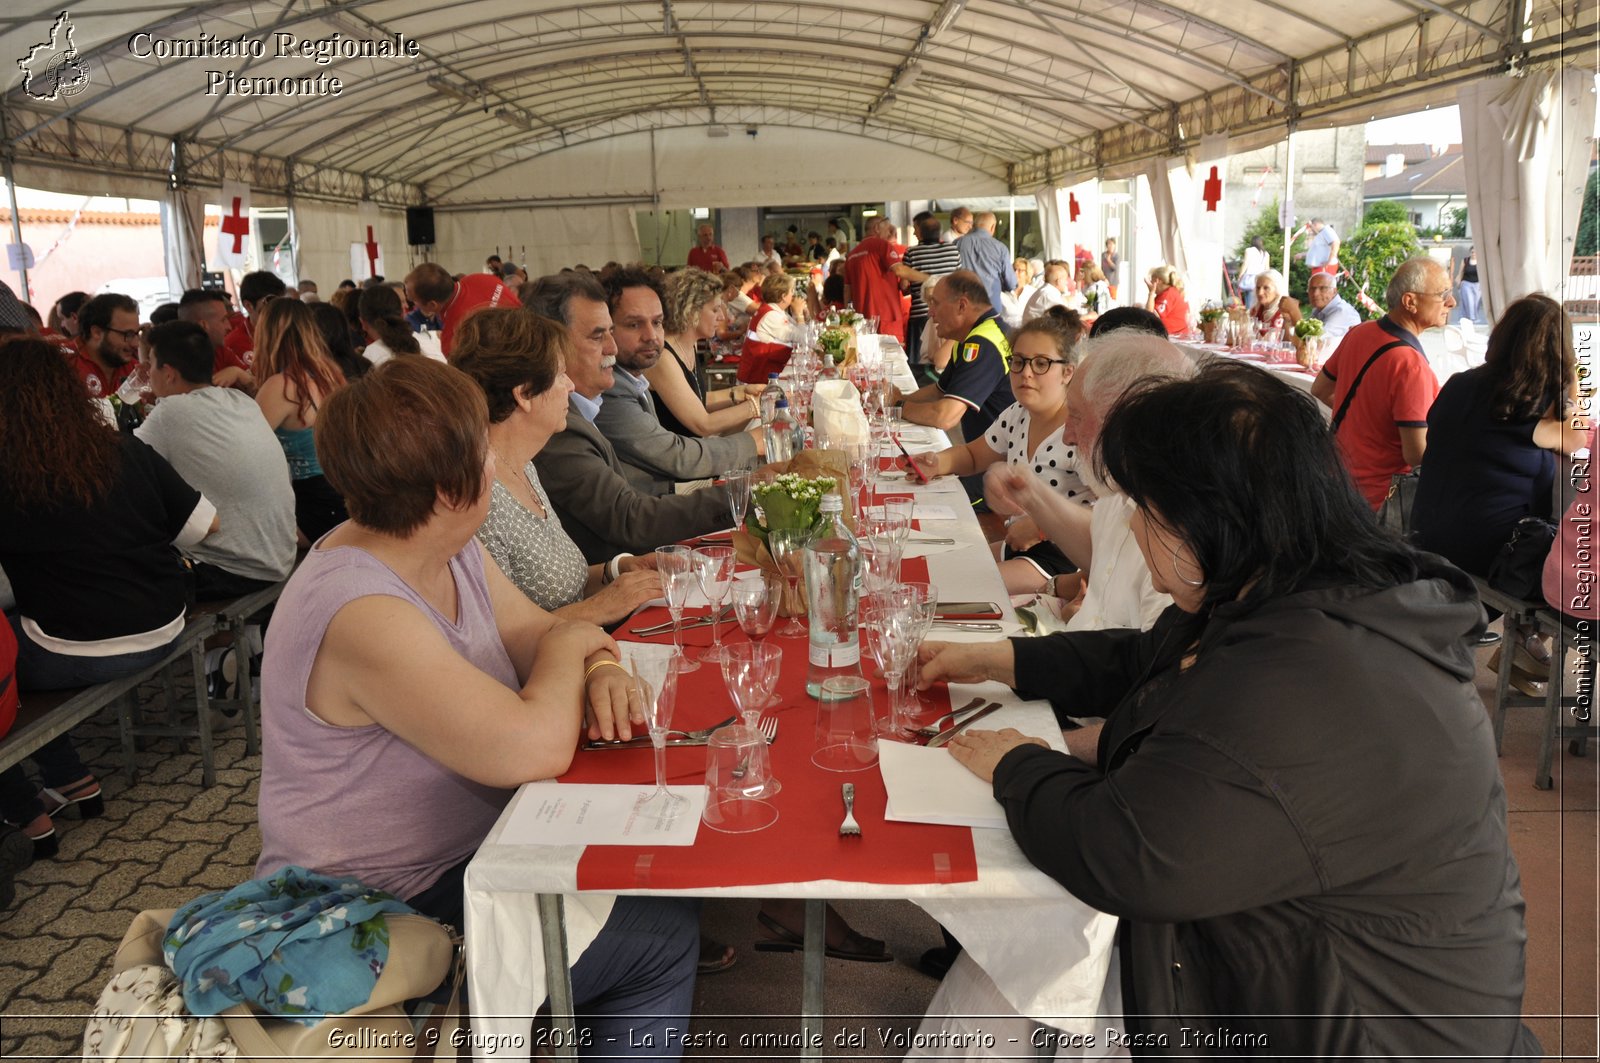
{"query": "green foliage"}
pixel 1455 223
pixel 1372 254
pixel 1385 212
pixel 1589 219
pixel 1265 225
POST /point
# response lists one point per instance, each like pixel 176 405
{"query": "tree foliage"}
pixel 1454 225
pixel 1589 219
pixel 1385 212
pixel 1372 254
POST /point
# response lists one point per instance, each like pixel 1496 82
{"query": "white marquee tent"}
pixel 547 123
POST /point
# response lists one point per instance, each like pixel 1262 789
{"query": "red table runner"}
pixel 804 844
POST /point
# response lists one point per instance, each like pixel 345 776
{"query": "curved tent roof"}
pixel 1018 91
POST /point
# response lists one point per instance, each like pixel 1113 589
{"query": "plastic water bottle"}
pixel 833 574
pixel 771 395
pixel 780 433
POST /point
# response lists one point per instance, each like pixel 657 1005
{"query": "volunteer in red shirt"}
pixel 108 346
pixel 255 289
pixel 1383 429
pixel 210 310
pixel 437 294
pixel 872 276
pixel 706 254
pixel 767 346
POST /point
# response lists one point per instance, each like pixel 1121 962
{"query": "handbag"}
pixel 1395 513
pixel 1518 569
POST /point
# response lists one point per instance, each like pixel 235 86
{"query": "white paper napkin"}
pixel 930 786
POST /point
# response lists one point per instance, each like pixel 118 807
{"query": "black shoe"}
pixel 1490 637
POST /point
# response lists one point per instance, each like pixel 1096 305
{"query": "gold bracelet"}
pixel 601 664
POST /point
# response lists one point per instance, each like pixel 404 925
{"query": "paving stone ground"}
pixel 163 839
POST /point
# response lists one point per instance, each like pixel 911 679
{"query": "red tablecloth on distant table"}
pixel 804 844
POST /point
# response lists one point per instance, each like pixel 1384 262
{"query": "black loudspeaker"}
pixel 419 226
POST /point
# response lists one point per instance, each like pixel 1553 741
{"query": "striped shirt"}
pixel 935 260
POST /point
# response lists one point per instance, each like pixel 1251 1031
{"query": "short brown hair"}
pixel 430 283
pixel 396 440
pixel 776 287
pixel 505 348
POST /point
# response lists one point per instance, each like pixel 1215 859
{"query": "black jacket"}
pixel 1300 822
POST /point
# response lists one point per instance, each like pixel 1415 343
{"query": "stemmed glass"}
pixel 881 553
pixel 897 514
pixel 656 680
pixel 924 606
pixel 714 566
pixel 755 603
pixel 751 672
pixel 785 545
pixel 740 482
pixel 675 565
pixel 862 460
pixel 892 638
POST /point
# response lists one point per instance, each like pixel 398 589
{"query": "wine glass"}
pixel 892 639
pixel 675 565
pixel 924 607
pixel 881 554
pixel 897 511
pixel 862 459
pixel 750 673
pixel 656 680
pixel 755 603
pixel 714 567
pixel 740 482
pixel 786 545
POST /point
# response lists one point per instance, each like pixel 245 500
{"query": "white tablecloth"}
pixel 1000 918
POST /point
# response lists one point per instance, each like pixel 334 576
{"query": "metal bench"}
pixel 234 616
pixel 1521 612
pixel 46 715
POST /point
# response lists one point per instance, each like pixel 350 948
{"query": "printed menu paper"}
pixel 552 813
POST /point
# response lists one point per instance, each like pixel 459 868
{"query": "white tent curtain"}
pixel 1054 222
pixel 549 238
pixel 1527 139
pixel 1169 229
pixel 182 229
pixel 1203 241
pixel 326 231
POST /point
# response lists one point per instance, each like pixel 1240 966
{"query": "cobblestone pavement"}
pixel 163 839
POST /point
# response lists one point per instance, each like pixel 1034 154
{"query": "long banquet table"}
pixel 982 888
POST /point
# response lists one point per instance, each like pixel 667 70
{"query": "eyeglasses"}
pixel 1039 364
pixel 125 333
pixel 1441 296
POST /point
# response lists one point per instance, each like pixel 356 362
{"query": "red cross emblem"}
pixel 1212 192
pixel 1072 207
pixel 237 225
pixel 372 253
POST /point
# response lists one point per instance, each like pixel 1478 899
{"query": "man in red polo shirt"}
pixel 210 310
pixel 108 344
pixel 437 294
pixel 254 291
pixel 706 254
pixel 872 276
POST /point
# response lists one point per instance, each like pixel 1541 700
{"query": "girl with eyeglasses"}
pixel 1031 431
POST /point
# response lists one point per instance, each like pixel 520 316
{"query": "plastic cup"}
pixel 730 808
pixel 846 738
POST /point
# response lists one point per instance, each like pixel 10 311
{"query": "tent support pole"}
pixel 1288 205
pixel 11 193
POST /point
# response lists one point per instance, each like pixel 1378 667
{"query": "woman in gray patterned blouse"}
pixel 518 358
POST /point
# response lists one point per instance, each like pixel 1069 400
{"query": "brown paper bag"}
pixel 749 550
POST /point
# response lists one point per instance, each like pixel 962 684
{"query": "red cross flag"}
pixel 233 235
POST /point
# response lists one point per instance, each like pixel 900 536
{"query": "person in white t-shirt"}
pixel 1057 290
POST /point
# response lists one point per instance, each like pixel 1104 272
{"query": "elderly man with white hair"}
pixel 1099 542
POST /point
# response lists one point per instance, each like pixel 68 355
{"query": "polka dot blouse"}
pixel 1055 459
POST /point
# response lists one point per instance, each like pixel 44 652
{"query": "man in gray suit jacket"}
pixel 588 488
pixel 654 458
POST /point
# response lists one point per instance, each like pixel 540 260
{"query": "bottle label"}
pixel 836 655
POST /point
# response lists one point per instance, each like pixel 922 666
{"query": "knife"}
pixel 665 629
pixel 944 736
pixel 644 743
pixel 932 542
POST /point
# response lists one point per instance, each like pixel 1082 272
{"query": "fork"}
pixel 768 728
pixel 704 732
pixel 849 827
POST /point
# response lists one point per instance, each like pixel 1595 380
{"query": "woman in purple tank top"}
pixel 408 686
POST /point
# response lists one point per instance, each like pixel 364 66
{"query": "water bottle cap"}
pixel 772 376
pixel 831 504
pixel 783 404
